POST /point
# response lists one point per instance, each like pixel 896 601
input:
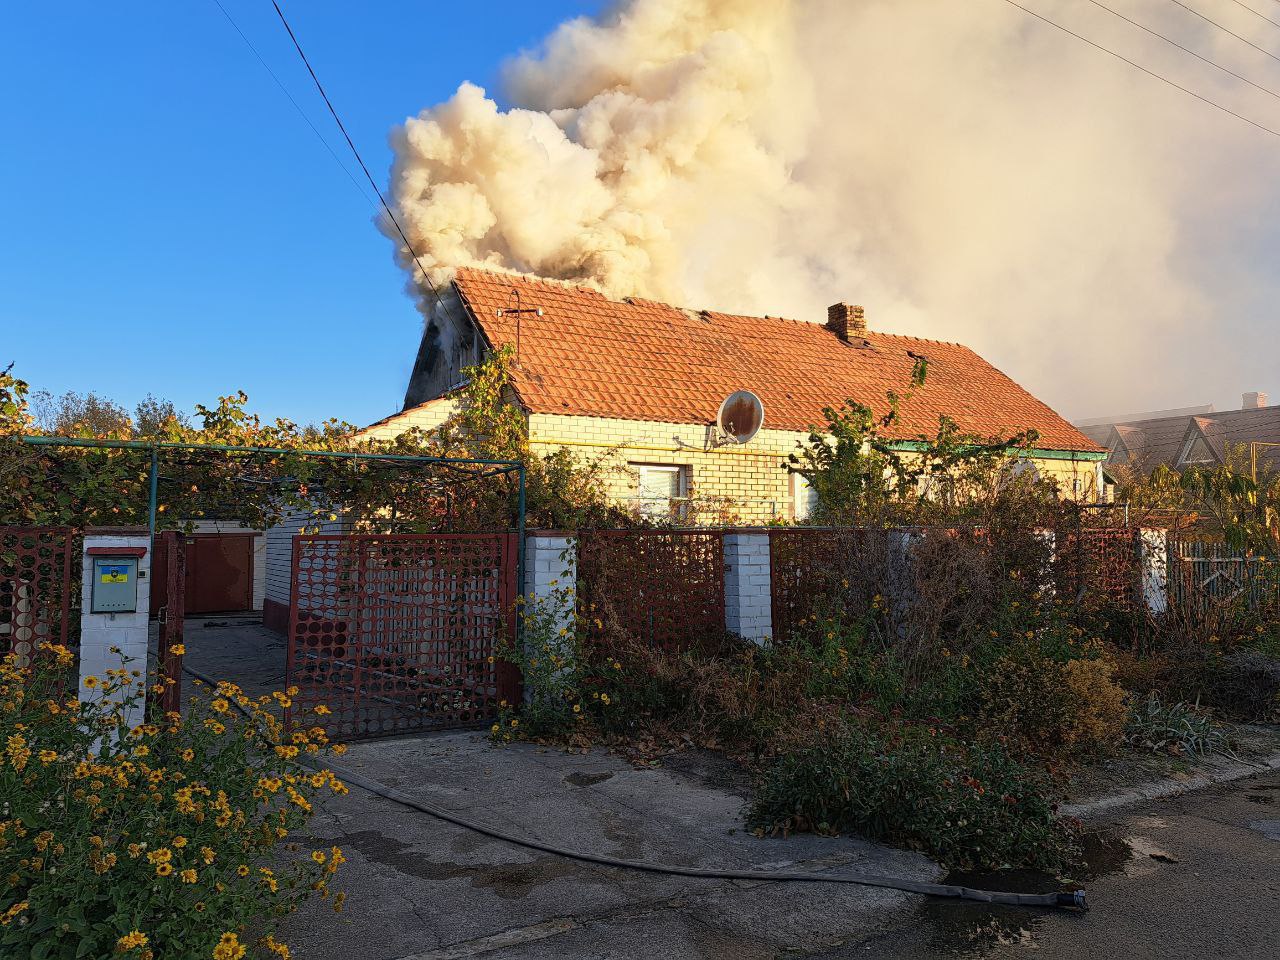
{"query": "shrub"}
pixel 1245 685
pixel 159 841
pixel 1098 707
pixel 967 804
pixel 1051 707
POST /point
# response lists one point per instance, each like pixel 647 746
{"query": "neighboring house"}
pixel 1195 436
pixel 647 379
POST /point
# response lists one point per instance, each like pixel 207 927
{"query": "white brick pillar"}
pixel 550 567
pixel 1153 561
pixel 748 595
pixel 111 554
pixel 1048 540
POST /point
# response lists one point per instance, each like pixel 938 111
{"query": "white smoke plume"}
pixel 965 171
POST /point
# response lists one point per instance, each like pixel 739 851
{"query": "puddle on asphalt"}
pixel 961 928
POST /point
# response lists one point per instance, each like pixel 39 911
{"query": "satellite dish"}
pixel 741 416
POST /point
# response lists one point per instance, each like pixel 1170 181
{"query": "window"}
pixel 1197 451
pixel 663 489
pixel 803 498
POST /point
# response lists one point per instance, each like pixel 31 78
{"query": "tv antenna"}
pixel 516 309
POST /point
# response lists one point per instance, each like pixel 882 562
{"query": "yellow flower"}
pixel 242 871
pixel 220 705
pixel 604 698
pixel 131 940
pixel 318 856
pixel 48 756
pixel 229 948
pixel 91 682
pixel 188 876
pixel 177 649
pixel 577 708
pixel 188 755
pixel 179 842
pixel 494 728
pixel 322 710
pixel 164 869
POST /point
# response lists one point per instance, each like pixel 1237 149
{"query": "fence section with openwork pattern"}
pixel 397 634
pixel 664 587
pixel 1099 565
pixel 811 568
pixel 38 587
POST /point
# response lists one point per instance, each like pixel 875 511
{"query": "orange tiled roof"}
pixel 588 355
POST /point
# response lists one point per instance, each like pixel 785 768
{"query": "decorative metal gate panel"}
pixel 664 586
pixel 36 587
pixel 1203 576
pixel 396 634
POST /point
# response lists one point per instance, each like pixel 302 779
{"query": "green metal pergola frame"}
pixel 497 468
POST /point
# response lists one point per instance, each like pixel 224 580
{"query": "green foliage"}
pixel 1176 728
pixel 563 695
pixel 858 464
pixel 166 840
pixel 962 803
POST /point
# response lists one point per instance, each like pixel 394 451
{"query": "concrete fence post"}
pixel 1153 562
pixel 748 595
pixel 550 567
pixel 115 596
pixel 1048 539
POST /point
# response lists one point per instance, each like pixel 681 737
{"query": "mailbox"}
pixel 115 584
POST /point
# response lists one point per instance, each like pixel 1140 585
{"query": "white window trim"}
pixel 649 505
pixel 1183 460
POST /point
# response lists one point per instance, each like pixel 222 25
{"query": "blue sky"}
pixel 169 224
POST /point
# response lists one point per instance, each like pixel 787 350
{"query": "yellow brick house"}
pixel 646 380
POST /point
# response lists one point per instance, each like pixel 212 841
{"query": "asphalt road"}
pixel 1191 876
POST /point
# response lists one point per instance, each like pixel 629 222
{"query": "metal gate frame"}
pixel 399 634
pixel 41 565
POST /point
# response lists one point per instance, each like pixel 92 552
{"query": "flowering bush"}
pixel 562 692
pixel 161 841
pixel 963 803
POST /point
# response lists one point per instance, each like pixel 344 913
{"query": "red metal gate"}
pixel 169 572
pixel 396 634
pixel 36 587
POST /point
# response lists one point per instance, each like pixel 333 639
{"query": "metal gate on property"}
pixel 401 633
pixel 1206 575
pixel 39 587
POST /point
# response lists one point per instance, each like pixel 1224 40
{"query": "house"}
pixel 1194 436
pixel 647 379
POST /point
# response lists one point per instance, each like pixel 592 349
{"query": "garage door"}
pixel 219 573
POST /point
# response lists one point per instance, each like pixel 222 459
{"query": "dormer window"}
pixel 1197 453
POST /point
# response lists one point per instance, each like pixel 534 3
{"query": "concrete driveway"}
pixel 424 889
pixel 421 888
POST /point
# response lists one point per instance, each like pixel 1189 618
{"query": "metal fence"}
pixel 665 587
pixel 1098 565
pixel 37 587
pixel 1203 575
pixel 401 633
pixel 813 566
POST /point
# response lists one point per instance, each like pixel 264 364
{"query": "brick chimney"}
pixel 1253 401
pixel 846 320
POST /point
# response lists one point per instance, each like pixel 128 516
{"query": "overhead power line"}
pixel 1209 20
pixel 1169 40
pixel 1151 73
pixel 1256 13
pixel 302 113
pixel 360 160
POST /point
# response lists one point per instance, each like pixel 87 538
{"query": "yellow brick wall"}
pixel 737 484
pixel 427 417
pixel 751 477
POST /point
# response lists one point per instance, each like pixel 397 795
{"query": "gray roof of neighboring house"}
pixel 1162 440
